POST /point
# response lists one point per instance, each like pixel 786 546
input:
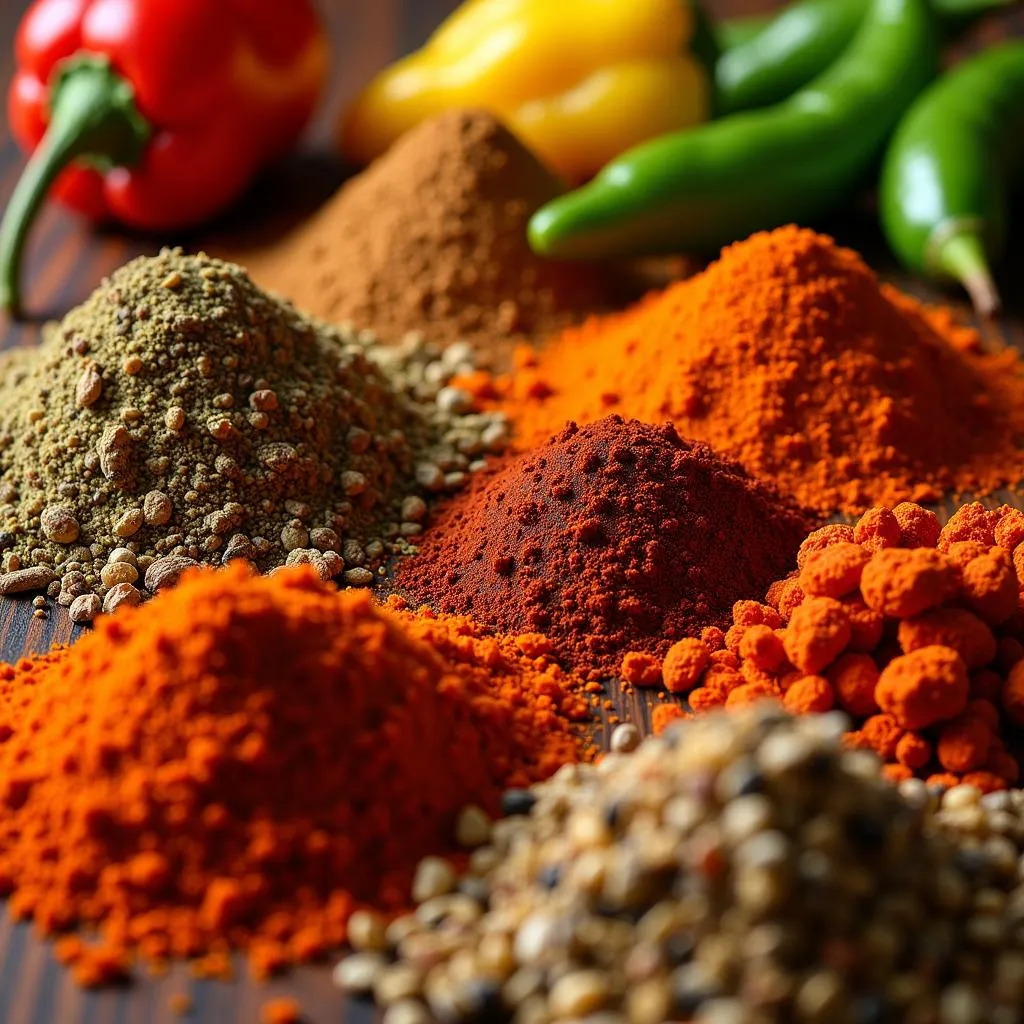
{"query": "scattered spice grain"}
pixel 790 357
pixel 240 761
pixel 255 433
pixel 608 538
pixel 432 238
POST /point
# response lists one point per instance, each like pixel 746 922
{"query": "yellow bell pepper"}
pixel 580 81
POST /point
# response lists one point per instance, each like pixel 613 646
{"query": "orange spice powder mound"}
pixel 916 632
pixel 241 761
pixel 788 355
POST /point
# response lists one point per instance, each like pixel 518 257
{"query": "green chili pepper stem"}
pixel 92 114
pixel 961 255
pixel 949 168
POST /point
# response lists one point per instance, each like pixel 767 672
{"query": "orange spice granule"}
pixel 664 715
pixel 180 1004
pixel 641 669
pixel 915 630
pixel 280 1011
pixel 683 665
pixel 237 763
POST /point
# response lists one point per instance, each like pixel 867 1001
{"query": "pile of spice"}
pixel 743 869
pixel 615 535
pixel 914 631
pixel 432 238
pixel 182 415
pixel 788 355
pixel 236 763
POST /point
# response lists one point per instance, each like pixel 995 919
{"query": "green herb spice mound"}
pixel 183 415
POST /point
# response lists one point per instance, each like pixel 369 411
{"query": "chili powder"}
pixel 613 536
pixel 789 355
pixel 237 763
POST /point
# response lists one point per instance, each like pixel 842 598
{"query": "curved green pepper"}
pixel 700 189
pixel 760 67
pixel 944 183
pixel 795 46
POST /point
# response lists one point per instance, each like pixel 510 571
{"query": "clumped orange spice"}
pixel 238 763
pixel 916 631
pixel 789 356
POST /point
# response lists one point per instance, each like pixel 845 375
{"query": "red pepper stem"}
pixel 93 116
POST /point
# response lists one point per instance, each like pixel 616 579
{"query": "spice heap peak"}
pixel 432 238
pixel 236 763
pixel 182 415
pixel 608 536
pixel 789 356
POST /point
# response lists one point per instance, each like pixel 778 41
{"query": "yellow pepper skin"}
pixel 580 81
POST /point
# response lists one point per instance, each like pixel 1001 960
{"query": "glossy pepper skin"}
pixel 701 189
pixel 947 172
pixel 764 62
pixel 578 80
pixel 157 113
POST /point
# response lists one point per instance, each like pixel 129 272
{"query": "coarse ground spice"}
pixel 916 633
pixel 182 415
pixel 432 238
pixel 740 869
pixel 608 537
pixel 789 356
pixel 237 763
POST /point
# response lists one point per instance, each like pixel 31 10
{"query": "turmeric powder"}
pixel 788 355
pixel 242 760
pixel 915 630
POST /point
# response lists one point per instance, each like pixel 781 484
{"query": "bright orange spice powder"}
pixel 788 355
pixel 239 762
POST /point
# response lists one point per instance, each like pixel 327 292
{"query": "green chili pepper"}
pixel 758 68
pixel 944 184
pixel 706 187
pixel 794 47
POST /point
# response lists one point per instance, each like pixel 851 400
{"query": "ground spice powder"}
pixel 788 355
pixel 238 762
pixel 615 535
pixel 182 415
pixel 432 238
pixel 915 632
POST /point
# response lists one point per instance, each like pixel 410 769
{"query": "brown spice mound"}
pixel 432 237
pixel 788 355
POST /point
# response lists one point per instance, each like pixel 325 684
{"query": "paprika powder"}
pixel 618 535
pixel 239 762
pixel 790 357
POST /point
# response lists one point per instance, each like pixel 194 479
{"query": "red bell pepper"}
pixel 156 113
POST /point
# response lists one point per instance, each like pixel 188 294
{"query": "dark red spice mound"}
pixel 611 537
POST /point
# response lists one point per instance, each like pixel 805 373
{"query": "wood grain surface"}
pixel 67 259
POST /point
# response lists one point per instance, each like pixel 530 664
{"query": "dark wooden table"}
pixel 66 261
